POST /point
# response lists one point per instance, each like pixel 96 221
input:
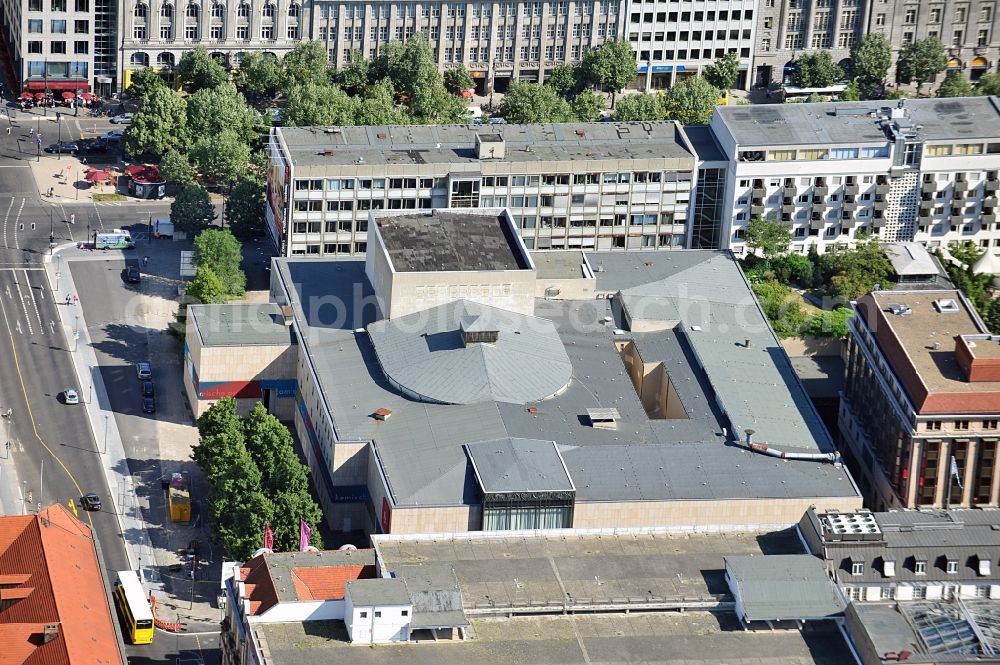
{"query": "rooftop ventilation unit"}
pixel 382 414
pixel 946 305
pixel 899 309
pixel 603 418
pixel 478 330
pixel 847 524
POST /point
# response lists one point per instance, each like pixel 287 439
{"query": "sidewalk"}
pixel 11 501
pixel 173 591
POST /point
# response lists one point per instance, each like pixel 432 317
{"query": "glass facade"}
pixel 706 229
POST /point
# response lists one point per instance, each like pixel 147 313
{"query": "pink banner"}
pixel 304 534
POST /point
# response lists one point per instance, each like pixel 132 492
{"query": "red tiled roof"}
pixel 258 585
pixel 70 592
pixel 327 583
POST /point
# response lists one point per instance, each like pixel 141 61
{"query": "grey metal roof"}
pixel 424 353
pixel 975 118
pixel 435 594
pixel 910 258
pixel 519 465
pixel 386 146
pixel 420 448
pixel 559 264
pixel 705 145
pixel 445 241
pixel 241 324
pixel 377 592
pixel 784 586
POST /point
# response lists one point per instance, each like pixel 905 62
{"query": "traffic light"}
pixel 52 238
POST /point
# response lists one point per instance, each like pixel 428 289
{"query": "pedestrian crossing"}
pixel 26 304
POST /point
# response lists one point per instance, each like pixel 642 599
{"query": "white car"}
pixel 70 396
pixel 123 119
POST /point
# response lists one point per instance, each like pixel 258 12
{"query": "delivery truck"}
pixel 116 239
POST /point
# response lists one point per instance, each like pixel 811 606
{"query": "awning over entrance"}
pixel 56 86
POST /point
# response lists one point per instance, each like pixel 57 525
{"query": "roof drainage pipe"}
pixel 833 457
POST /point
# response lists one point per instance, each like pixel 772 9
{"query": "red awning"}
pixel 27 95
pixel 144 173
pixel 87 96
pixel 39 95
pixel 97 176
pixel 56 86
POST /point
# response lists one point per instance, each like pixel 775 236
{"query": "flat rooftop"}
pixel 409 145
pixel 421 448
pixel 449 241
pixel 521 571
pixel 241 324
pixel 692 638
pixel 917 333
pixel 560 264
pixel 968 118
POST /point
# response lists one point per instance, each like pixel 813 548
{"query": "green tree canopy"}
pixel 313 104
pixel 458 79
pixel 851 273
pixel 200 70
pixel 955 85
pixel 206 288
pixel 690 102
pixel 991 316
pixel 159 125
pixel 974 285
pixel 723 72
pixel 644 106
pixel 308 62
pixel 588 104
pixel 377 106
pixel 431 104
pixel 611 65
pixel 871 58
pixel 852 93
pixel 816 70
pixel 407 65
pixel 768 236
pixel 144 80
pixel 220 251
pixel 220 158
pixel 564 79
pixel 531 103
pixel 175 167
pixel 260 75
pixel 355 77
pixel 244 210
pixel 988 84
pixel 192 211
pixel 212 110
pixel 920 61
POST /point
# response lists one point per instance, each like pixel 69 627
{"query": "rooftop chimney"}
pixel 286 314
pixel 49 632
pixel 490 146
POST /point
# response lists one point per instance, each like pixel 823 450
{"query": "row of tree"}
pixel 255 478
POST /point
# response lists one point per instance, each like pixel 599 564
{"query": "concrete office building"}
pixel 920 412
pixel 601 186
pixel 922 170
pixel 609 402
pixel 786 29
pixel 675 41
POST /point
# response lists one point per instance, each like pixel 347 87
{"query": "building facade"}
pixel 676 41
pixel 834 172
pixel 920 411
pixel 907 556
pixel 608 186
pixel 786 29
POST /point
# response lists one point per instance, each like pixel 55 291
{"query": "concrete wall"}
pixel 512 290
pixel 367 624
pixel 436 520
pixel 579 288
pixel 317 610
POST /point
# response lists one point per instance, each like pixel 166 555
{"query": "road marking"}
pixel 31 292
pixel 100 222
pixel 7 217
pixel 72 505
pixel 17 220
pixel 24 305
pixel 31 416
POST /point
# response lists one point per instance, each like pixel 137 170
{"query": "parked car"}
pixel 148 405
pixel 122 119
pixel 132 274
pixel 59 148
pixel 143 371
pixel 90 502
pixel 147 388
pixel 94 146
pixel 70 396
pixel 113 135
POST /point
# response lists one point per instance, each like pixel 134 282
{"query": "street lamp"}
pixel 105 435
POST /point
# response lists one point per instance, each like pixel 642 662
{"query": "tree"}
pixel 431 104
pixel 587 105
pixel 644 106
pixel 690 102
pixel 220 158
pixel 851 273
pixel 611 65
pixel 723 72
pixel 974 285
pixel 955 85
pixel 564 79
pixel 457 79
pixel 870 61
pixel 175 168
pixel 376 106
pixel 206 288
pixel 200 70
pixel 782 310
pixel 260 75
pixel 159 125
pixel 991 316
pixel 988 84
pixel 816 70
pixel 314 104
pixel 143 81
pixel 308 62
pixel 852 93
pixel 244 210
pixel 220 251
pixel 531 103
pixel 212 110
pixel 769 236
pixel 191 211
pixel 355 77
pixel 407 65
pixel 920 61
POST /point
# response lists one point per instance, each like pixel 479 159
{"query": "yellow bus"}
pixel 133 606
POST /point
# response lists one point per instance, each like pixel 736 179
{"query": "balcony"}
pixel 790 189
pixel 957 219
pixel 990 202
pixel 819 206
pixel 850 206
pixel 992 185
pixel 756 210
pixel 928 187
pixel 821 190
pixel 959 195
pixel 882 188
pixel 787 218
pixel 988 218
pixel 817 224
pixel 788 208
pixel 851 188
pixel 960 177
pixel 881 204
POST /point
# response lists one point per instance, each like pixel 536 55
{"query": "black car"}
pixel 148 405
pixel 94 147
pixel 147 388
pixel 60 148
pixel 90 502
pixel 132 274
